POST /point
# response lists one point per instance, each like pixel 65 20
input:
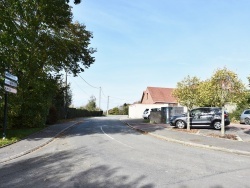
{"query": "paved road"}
pixel 102 152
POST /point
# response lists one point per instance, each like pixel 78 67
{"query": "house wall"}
pixel 230 107
pixel 147 99
pixel 136 110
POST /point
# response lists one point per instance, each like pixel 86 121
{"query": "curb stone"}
pixel 190 143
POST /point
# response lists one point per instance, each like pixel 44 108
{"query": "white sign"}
pixel 10 76
pixel 10 83
pixel 10 89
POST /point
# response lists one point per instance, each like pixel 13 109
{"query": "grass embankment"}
pixel 14 135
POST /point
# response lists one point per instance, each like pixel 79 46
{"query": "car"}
pixel 146 113
pixel 245 117
pixel 210 116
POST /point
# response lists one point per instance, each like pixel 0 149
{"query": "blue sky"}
pixel 144 43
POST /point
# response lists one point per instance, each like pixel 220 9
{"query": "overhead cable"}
pixel 88 83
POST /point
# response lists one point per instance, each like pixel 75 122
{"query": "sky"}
pixel 143 43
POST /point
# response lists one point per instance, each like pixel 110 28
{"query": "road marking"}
pixel 115 139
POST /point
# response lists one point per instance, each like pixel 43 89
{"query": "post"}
pixel 108 107
pixel 100 99
pixel 5 114
pixel 222 122
pixel 188 120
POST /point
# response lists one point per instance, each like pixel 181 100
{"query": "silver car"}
pixel 245 117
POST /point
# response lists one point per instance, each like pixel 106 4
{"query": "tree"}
pixel 186 94
pixel 223 87
pixel 204 96
pixel 114 111
pixel 226 87
pixel 244 104
pixel 187 91
pixel 38 40
pixel 91 106
pixel 125 108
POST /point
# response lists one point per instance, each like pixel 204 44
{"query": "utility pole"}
pixel 100 98
pixel 108 107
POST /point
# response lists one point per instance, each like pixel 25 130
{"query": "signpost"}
pixel 10 84
pixel 10 76
pixel 10 89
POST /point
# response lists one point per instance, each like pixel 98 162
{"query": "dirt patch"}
pixel 227 136
pixel 194 131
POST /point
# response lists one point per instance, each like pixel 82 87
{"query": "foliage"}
pixel 187 91
pixel 91 105
pixel 226 87
pixel 14 135
pixel 114 111
pixel 38 40
pixel 125 108
pixel 245 104
pixel 122 110
pixel 205 96
pixel 223 87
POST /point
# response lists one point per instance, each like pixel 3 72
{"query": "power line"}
pixel 88 83
pixel 81 89
pixel 103 93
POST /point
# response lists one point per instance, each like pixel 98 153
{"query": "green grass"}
pixel 14 135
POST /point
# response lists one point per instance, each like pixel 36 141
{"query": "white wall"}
pixel 136 110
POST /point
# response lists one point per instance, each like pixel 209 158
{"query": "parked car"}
pixel 245 117
pixel 210 116
pixel 146 113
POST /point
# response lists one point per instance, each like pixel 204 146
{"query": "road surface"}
pixel 103 152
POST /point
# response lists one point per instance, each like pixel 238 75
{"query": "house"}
pixel 153 97
pixel 158 95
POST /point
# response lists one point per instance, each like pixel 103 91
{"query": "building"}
pixel 153 97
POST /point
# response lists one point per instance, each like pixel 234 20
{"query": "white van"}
pixel 146 113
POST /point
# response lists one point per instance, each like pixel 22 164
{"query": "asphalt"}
pixel 199 137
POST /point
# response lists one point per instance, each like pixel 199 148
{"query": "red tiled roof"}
pixel 161 95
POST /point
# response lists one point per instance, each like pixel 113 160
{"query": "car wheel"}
pixel 247 121
pixel 180 124
pixel 217 125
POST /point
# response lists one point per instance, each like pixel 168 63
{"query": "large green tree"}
pixel 223 87
pixel 187 91
pixel 226 87
pixel 91 105
pixel 38 40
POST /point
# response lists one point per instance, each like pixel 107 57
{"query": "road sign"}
pixel 10 76
pixel 10 89
pixel 10 83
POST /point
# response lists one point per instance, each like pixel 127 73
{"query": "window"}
pixel 247 112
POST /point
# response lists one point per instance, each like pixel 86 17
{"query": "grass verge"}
pixel 14 135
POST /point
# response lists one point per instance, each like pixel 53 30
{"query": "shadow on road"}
pixel 66 169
